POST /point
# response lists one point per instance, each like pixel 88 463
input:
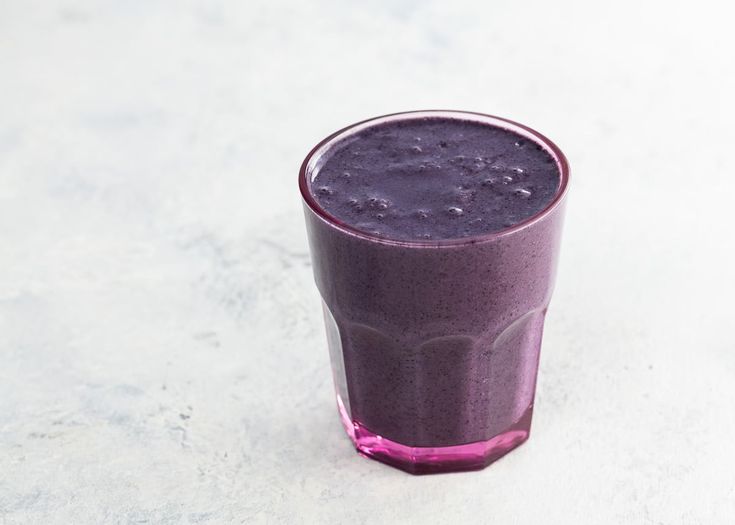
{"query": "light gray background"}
pixel 162 357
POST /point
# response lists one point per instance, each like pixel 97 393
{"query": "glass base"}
pixel 430 460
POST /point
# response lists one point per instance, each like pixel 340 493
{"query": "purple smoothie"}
pixel 435 178
pixel 434 238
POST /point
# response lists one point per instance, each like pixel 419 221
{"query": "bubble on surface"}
pixel 519 171
pixel 380 216
pixel 488 182
pixel 455 210
pixel 417 149
pixel 346 174
pixel 522 192
pixel 378 203
pixel 326 190
pixel 355 204
pixel 507 179
pixel 519 143
pixel 422 214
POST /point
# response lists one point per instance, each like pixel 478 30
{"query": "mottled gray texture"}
pixel 162 356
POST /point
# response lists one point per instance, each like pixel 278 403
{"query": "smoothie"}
pixel 434 238
pixel 435 178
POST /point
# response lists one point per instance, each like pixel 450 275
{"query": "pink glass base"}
pixel 429 460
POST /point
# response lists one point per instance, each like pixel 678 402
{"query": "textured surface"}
pixel 162 355
pixel 441 178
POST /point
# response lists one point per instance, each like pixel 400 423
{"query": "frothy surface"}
pixel 435 178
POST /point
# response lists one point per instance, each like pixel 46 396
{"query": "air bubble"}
pixel 380 216
pixel 519 170
pixel 378 204
pixel 417 149
pixel 426 236
pixel 326 190
pixel 455 210
pixel 519 143
pixel 507 179
pixel 355 205
pixel 422 214
pixel 346 174
pixel 523 192
pixel 488 182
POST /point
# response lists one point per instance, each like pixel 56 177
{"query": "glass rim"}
pixel 318 151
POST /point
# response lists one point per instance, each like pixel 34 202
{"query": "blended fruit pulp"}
pixel 435 178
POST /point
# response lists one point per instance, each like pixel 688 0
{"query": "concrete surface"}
pixel 162 357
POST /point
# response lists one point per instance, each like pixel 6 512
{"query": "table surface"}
pixel 162 356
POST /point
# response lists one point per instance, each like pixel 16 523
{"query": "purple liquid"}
pixel 434 341
pixel 435 178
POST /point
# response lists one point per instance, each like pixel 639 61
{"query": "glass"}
pixel 434 345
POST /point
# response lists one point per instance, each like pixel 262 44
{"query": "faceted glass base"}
pixel 429 460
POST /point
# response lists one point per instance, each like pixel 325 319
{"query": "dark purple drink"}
pixel 434 238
